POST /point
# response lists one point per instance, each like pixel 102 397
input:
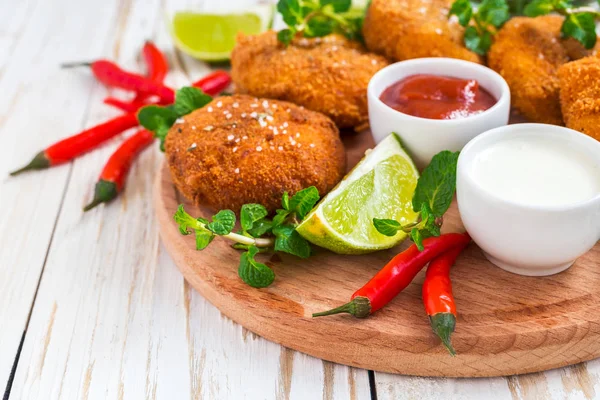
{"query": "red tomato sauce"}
pixel 437 97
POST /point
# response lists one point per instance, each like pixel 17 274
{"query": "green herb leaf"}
pixel 463 10
pixel 387 227
pixel 539 7
pixel 582 27
pixel 303 201
pixel 188 99
pixel 286 36
pixel 285 199
pixel 319 26
pixel 157 120
pixel 280 217
pixel 250 214
pixel 291 12
pixel 185 221
pixel 437 184
pixel 203 238
pixel 338 5
pixel 222 223
pixel 494 12
pixel 255 274
pixel 289 241
pixel 415 236
pixel 479 43
pixel 261 228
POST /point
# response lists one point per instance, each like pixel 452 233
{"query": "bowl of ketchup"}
pixel 436 104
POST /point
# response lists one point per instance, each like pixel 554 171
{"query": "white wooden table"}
pixel 91 306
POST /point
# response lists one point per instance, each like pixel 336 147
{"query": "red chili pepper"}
pixel 112 178
pixel 156 62
pixel 437 296
pixel 112 75
pixel 396 276
pixel 128 106
pixel 214 83
pixel 71 147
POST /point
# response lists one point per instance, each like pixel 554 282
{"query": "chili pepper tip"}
pixel 104 192
pixel 76 64
pixel 359 307
pixel 40 161
pixel 443 325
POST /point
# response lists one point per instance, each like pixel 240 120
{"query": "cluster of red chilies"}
pixel 148 89
pixel 440 253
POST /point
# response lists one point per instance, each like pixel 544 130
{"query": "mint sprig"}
pixel 160 119
pixel 317 18
pixel 432 198
pixel 259 233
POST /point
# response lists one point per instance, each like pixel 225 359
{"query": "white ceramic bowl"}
pixel 424 137
pixel 520 238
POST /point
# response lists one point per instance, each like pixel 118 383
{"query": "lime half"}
pixel 211 37
pixel 380 186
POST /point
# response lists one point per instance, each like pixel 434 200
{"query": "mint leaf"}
pixel 261 228
pixel 387 227
pixel 494 12
pixel 153 117
pixel 476 42
pixel 222 223
pixel 437 184
pixel 319 26
pixel 285 199
pixel 538 7
pixel 415 236
pixel 185 221
pixel 203 238
pixel 289 241
pixel 338 5
pixel 281 216
pixel 463 10
pixel 286 36
pixel 303 201
pixel 251 213
pixel 582 27
pixel 188 99
pixel 255 274
pixel 291 12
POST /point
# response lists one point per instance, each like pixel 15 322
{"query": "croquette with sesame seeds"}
pixel 580 95
pixel 327 74
pixel 406 29
pixel 266 148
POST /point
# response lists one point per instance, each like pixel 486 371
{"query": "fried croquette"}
pixel 240 149
pixel 580 95
pixel 527 52
pixel 405 29
pixel 328 74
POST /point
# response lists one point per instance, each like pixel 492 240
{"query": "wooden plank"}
pixel 38 106
pixel 113 316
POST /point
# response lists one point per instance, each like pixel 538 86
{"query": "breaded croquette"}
pixel 328 74
pixel 405 29
pixel 580 95
pixel 527 52
pixel 241 149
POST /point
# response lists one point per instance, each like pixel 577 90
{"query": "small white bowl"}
pixel 424 137
pixel 520 238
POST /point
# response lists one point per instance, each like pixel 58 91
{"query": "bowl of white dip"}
pixel 529 196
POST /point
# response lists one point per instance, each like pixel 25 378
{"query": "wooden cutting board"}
pixel 507 324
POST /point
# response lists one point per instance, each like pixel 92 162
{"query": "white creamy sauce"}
pixel 534 171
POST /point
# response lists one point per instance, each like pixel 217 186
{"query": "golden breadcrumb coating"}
pixel 527 52
pixel 580 95
pixel 240 149
pixel 405 29
pixel 328 74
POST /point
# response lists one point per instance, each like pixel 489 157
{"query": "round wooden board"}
pixel 507 324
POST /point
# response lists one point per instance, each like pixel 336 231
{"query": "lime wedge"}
pixel 380 186
pixel 211 37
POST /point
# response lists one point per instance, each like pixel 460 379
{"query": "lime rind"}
pixel 380 186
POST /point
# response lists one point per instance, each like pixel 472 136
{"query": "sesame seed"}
pixel 275 131
pixel 235 148
pixel 192 147
pixel 288 110
pixel 194 128
pixel 253 105
pixel 438 31
pixel 297 134
pixel 228 116
pixel 299 144
pixel 258 148
pixel 269 118
pixel 274 106
pixel 209 109
pixel 179 121
pixel 230 137
pixel 374 62
pixel 237 140
pixel 312 145
pixel 208 128
pixel 262 123
pixel 344 62
pixel 237 171
pixel 254 114
pixel 280 148
pixel 285 125
pixel 243 115
pixel 225 112
pixel 265 104
pixel 285 131
pixel 244 137
pixel 236 105
pixel 220 104
pixel 334 48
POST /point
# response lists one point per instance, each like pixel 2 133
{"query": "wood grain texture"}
pixel 507 324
